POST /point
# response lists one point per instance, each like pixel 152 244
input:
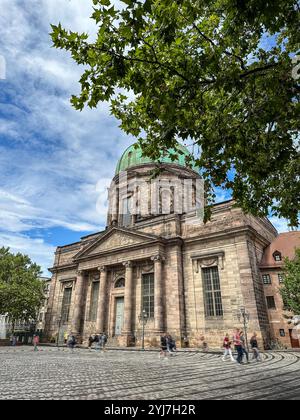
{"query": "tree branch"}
pixel 258 70
pixel 152 62
pixel 228 53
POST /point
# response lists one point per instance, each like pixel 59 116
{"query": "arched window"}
pixel 194 196
pixel 127 211
pixel 166 200
pixel 120 284
pixel 277 256
pixel 129 159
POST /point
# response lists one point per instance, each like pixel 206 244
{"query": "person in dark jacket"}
pixel 254 346
pixel 91 341
pixel 71 342
pixel 238 346
pixel 244 348
pixel 171 344
pixel 163 345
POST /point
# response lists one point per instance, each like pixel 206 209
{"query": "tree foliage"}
pixel 215 73
pixel 21 291
pixel 290 290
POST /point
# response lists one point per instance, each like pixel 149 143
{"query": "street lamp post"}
pixel 143 318
pixel 59 325
pixel 244 316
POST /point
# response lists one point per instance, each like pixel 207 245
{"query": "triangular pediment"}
pixel 116 239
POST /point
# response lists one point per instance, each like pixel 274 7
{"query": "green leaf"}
pixel 202 71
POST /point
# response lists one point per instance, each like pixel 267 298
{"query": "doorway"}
pixel 294 341
pixel 119 315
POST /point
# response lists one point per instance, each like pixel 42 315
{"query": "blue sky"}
pixel 55 163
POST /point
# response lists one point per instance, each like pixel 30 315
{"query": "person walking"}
pixel 91 341
pixel 36 342
pixel 71 342
pixel 103 341
pixel 244 347
pixel 98 341
pixel 163 346
pixel 238 346
pixel 14 341
pixel 171 345
pixel 255 349
pixel 227 347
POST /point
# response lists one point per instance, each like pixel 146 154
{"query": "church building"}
pixel 158 266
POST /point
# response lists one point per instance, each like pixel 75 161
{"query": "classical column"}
pixel 50 307
pixel 113 205
pixel 100 324
pixel 128 298
pixel 78 302
pixel 158 294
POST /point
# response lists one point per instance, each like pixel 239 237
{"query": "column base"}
pixel 127 340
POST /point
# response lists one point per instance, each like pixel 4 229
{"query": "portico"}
pixel 119 285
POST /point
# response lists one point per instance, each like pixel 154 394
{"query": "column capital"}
pixel 80 272
pixel 128 264
pixel 157 258
pixel 102 269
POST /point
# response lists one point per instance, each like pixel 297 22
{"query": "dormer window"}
pixel 277 256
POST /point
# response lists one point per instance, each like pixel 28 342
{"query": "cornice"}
pixel 248 230
pixel 65 267
pixel 133 171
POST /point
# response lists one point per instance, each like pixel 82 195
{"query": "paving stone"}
pixel 52 374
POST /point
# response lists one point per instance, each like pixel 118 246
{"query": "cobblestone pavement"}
pixel 125 375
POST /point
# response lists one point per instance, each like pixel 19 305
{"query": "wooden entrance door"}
pixel 294 341
pixel 119 315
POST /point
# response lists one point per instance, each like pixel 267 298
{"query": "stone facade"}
pixel 201 274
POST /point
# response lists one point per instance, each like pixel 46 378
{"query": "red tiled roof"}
pixel 285 243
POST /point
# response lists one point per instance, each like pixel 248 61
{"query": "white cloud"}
pixel 52 158
pixel 37 249
pixel 54 161
pixel 280 224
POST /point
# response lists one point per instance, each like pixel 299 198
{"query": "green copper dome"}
pixel 134 157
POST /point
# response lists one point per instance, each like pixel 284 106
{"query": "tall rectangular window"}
pixel 281 278
pixel 94 300
pixel 212 292
pixel 66 304
pixel 127 212
pixel 148 294
pixel 271 302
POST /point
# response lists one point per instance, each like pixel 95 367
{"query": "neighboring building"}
pixel 3 327
pixel 40 326
pixel 190 278
pixel 271 268
pixel 22 329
